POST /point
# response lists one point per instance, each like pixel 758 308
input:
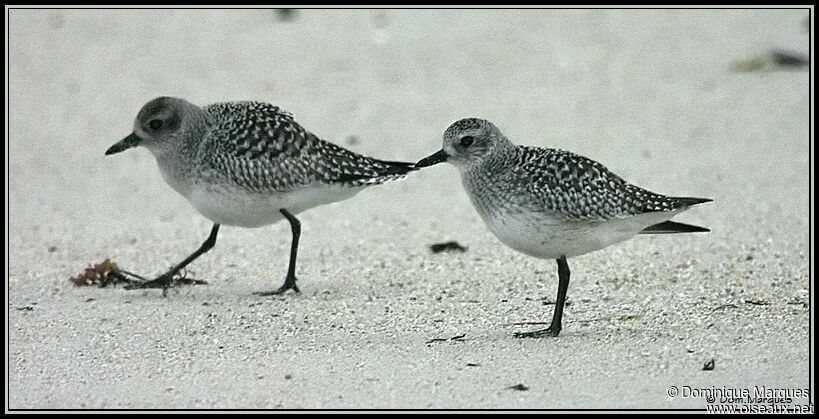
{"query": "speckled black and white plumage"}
pixel 260 147
pixel 240 163
pixel 580 188
pixel 548 202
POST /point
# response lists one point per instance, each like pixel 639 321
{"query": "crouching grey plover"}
pixel 552 204
pixel 247 164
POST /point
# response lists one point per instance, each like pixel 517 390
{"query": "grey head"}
pixel 467 143
pixel 160 124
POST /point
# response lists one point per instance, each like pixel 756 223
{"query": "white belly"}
pixel 248 209
pixel 549 237
pixel 228 204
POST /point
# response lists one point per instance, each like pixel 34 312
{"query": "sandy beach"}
pixel 655 95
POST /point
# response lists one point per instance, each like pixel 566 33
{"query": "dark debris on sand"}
pixel 709 366
pixel 446 247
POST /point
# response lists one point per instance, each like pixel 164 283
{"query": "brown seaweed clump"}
pixel 101 275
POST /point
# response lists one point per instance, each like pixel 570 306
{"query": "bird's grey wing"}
pixel 262 148
pixel 582 189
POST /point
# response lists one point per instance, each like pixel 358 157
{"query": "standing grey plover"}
pixel 248 164
pixel 552 204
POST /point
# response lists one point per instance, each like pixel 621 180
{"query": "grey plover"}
pixel 247 164
pixel 552 204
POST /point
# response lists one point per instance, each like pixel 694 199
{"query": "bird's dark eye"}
pixel 155 124
pixel 467 141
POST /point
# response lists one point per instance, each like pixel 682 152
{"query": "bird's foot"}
pixel 165 281
pixel 289 284
pixel 550 332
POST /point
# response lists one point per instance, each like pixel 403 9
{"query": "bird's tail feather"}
pixel 670 227
pixel 384 171
pixel 688 201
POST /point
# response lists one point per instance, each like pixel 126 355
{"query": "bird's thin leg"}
pixel 557 318
pixel 166 280
pixel 290 280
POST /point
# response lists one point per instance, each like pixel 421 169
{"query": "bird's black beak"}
pixel 436 158
pixel 126 143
